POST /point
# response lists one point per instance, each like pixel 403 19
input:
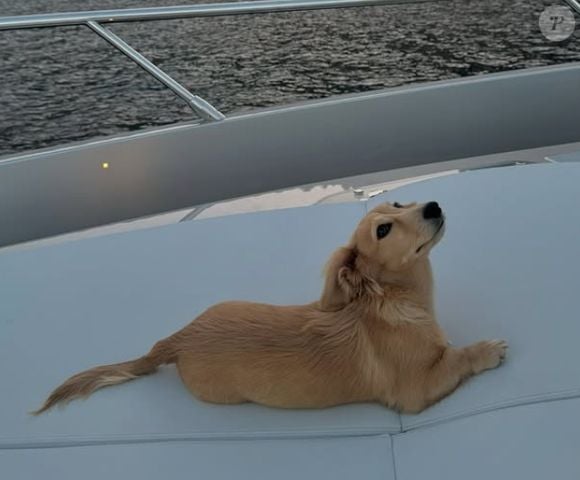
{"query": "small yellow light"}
pixel 105 165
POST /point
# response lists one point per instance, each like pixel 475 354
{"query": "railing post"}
pixel 203 108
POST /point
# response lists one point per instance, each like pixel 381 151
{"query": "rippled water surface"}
pixel 66 84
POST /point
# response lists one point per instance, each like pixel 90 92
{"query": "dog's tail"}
pixel 85 383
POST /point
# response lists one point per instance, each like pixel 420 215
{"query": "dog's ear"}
pixel 334 295
pixel 344 281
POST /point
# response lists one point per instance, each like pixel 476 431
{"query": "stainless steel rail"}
pixel 198 104
pixel 94 19
pixel 575 4
pixel 186 11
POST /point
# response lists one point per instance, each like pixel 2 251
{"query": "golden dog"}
pixel 372 336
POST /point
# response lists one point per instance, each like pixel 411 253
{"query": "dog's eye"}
pixel 383 230
pixel 397 205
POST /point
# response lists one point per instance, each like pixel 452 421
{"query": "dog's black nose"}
pixel 431 210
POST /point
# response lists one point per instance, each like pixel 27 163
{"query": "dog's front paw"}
pixel 488 354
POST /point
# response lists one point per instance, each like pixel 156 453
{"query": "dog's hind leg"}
pixel 208 380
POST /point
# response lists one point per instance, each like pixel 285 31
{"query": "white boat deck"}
pixel 508 267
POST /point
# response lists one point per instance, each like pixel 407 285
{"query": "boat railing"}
pixel 95 20
pixel 575 4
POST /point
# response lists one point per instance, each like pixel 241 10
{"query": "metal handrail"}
pixel 186 11
pixel 575 4
pixel 94 19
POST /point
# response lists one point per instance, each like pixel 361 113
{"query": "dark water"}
pixel 66 84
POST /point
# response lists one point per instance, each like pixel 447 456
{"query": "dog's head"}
pixel 394 236
pixel 390 239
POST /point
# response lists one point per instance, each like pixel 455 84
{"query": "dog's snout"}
pixel 431 210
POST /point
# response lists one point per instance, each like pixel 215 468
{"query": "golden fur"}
pixel 372 336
